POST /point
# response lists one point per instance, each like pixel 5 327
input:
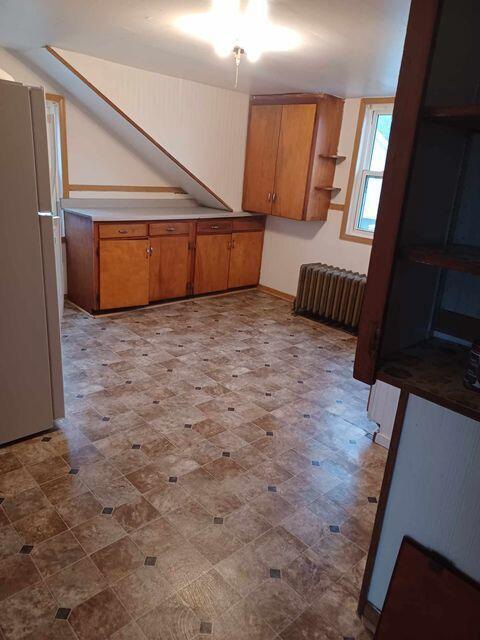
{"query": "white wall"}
pixel 289 243
pixel 95 156
pixel 204 127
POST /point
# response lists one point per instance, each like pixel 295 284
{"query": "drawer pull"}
pixel 122 231
pixel 214 226
pixel 171 228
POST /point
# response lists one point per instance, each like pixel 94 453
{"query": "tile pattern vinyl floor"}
pixel 213 478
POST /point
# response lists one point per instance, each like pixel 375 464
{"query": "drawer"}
pixel 172 228
pixel 126 230
pixel 214 226
pixel 249 224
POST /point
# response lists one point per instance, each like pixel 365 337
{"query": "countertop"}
pixel 128 214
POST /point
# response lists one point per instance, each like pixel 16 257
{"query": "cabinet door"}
pixel 293 160
pixel 261 157
pixel 123 267
pixel 245 259
pixel 169 267
pixel 212 257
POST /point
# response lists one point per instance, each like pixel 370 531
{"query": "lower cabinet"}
pixel 116 265
pixel 245 259
pixel 123 267
pixel 212 259
pixel 170 267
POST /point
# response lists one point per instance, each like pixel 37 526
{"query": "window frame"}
pixel 370 109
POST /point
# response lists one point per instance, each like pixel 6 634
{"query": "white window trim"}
pixel 372 111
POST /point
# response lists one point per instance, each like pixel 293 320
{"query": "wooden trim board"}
pixel 382 502
pixel 60 100
pixel 275 292
pixel 351 177
pixel 132 123
pixel 125 188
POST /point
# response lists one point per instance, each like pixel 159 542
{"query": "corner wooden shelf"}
pixel 434 370
pixel 336 189
pixel 464 116
pixel 455 257
pixel 336 158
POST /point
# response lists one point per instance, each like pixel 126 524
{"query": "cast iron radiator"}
pixel 330 294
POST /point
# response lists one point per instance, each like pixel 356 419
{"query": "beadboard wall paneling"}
pixel 204 127
pixel 435 492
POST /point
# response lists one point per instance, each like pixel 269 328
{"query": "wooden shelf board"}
pixel 455 257
pixel 434 370
pixel 465 116
pixel 332 156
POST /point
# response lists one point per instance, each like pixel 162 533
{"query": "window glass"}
pixel 369 204
pixel 380 142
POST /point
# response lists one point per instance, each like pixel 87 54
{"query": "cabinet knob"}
pixel 171 228
pixel 269 196
pixel 274 197
pixel 123 231
pixel 214 226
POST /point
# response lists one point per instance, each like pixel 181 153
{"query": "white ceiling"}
pixel 349 47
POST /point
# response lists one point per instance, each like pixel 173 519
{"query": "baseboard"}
pixel 382 440
pixel 370 617
pixel 276 293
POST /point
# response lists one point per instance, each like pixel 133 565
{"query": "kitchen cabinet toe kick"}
pixel 113 265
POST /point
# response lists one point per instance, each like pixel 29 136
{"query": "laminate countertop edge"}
pixel 155 215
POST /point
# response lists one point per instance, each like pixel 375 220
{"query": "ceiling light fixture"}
pixel 230 30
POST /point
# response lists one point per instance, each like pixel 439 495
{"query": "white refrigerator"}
pixel 31 381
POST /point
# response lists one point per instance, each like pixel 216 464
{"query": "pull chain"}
pixel 237 54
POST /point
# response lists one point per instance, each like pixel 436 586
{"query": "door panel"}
pixel 123 266
pixel 261 157
pixel 293 159
pixel 245 259
pixel 212 259
pixel 169 267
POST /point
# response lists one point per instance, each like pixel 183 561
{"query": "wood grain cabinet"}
pixel 291 153
pixel 171 248
pixel 123 273
pixel 121 265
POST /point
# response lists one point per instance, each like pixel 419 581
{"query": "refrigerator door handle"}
pixel 40 146
pixel 52 312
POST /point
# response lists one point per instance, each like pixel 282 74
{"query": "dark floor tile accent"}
pixel 268 395
pixel 1 499
pixel 372 499
pixel 46 439
pixel 269 433
pixel 352 441
pixel 136 446
pixel 73 472
pixel 105 419
pixel 172 479
pixel 315 463
pixel 334 528
pixel 226 454
pixel 275 573
pixel 272 488
pixel 218 521
pixel 306 415
pixel 231 408
pixel 107 511
pixel 150 561
pixel 62 613
pixel 26 549
pixel 206 628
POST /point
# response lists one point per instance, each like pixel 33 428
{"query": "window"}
pixel 57 149
pixel 368 169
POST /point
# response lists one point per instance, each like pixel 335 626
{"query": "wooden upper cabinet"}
pixel 290 164
pixel 212 259
pixel 123 273
pixel 293 160
pixel 261 158
pixel 245 259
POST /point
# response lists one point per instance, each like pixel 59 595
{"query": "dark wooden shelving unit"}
pixel 433 369
pixel 455 257
pixel 464 116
